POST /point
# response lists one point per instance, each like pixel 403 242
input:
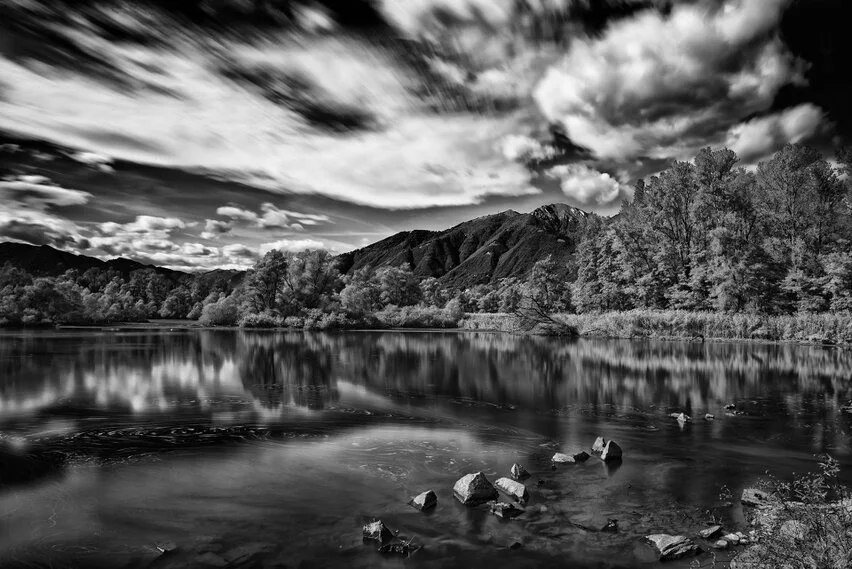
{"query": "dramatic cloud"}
pixel 271 217
pixel 519 148
pixel 661 85
pixel 586 185
pixel 761 136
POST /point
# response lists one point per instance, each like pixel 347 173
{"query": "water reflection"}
pixel 206 371
pixel 335 426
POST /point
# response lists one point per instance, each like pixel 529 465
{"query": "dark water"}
pixel 269 450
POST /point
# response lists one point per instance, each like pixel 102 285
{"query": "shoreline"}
pixel 576 326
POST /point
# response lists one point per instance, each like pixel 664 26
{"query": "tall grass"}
pixel 813 328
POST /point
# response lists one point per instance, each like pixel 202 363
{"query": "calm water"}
pixel 270 449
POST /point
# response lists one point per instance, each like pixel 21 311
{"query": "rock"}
pixel 793 529
pixel 672 546
pixel 709 417
pixel 399 548
pixel 846 409
pixel 682 418
pixel 751 558
pixel 377 531
pixel 504 510
pixel 731 538
pixel 574 456
pixel 516 545
pixel 519 472
pixel 474 489
pixel 611 452
pixel 247 553
pixel 513 488
pixel 599 445
pixel 424 501
pixel 710 532
pixel 611 526
pixel 755 498
pixel 721 544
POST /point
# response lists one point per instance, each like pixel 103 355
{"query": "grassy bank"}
pixel 811 328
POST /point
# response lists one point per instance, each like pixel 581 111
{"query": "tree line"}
pixel 704 235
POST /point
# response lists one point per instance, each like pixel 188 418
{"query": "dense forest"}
pixel 705 235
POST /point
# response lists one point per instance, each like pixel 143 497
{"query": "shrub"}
pixel 224 312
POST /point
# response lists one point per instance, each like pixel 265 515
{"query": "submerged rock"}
pixel 598 446
pixel 611 452
pixel 474 489
pixel 710 532
pixel 404 548
pixel 166 546
pixel 709 417
pixel 424 501
pixel 672 546
pixel 611 526
pixel 505 510
pixel 377 531
pixel 513 488
pixel 519 472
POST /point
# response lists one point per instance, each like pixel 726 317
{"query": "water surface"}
pixel 254 449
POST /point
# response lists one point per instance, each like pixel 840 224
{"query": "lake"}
pixel 261 449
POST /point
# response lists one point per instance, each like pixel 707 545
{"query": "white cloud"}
pixel 214 228
pixel 97 161
pixel 519 148
pixel 291 245
pixel 148 224
pixel 663 86
pixel 270 217
pixel 587 185
pixel 239 251
pixel 37 191
pixel 762 136
pixel 220 126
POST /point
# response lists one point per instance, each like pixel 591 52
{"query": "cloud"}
pixel 586 185
pixel 147 224
pixel 663 85
pixel 97 161
pixel 214 228
pixel 519 148
pixel 291 245
pixel 39 192
pixel 238 251
pixel 760 137
pixel 271 217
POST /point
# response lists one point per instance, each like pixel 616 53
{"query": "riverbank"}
pixel 824 329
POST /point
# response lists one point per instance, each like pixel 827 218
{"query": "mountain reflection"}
pixel 208 371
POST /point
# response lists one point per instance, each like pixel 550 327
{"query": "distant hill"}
pixel 481 250
pixel 47 261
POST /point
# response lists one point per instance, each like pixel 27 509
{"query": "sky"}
pixel 199 134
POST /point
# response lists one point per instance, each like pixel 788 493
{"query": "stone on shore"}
pixel 611 452
pixel 474 489
pixel 513 488
pixel 377 531
pixel 671 547
pixel 519 472
pixel 720 544
pixel 424 501
pixel 755 498
pixel 732 538
pixel 710 532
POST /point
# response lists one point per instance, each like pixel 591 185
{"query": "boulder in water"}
pixel 424 501
pixel 377 531
pixel 474 489
pixel 513 488
pixel 574 456
pixel 709 417
pixel 610 527
pixel 672 546
pixel 599 445
pixel 519 472
pixel 611 452
pixel 504 510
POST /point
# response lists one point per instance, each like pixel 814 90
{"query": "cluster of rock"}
pixel 475 489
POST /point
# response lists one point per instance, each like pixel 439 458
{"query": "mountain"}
pixel 481 250
pixel 47 261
